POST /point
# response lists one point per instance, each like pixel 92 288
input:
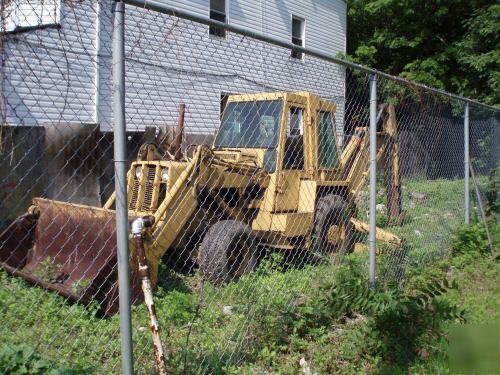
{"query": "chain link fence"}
pixel 248 159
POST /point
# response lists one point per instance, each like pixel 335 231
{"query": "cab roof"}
pixel 299 96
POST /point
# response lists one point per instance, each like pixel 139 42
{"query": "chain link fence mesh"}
pixel 485 179
pixel 427 205
pixel 249 226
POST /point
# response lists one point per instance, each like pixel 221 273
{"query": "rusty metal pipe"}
pixel 36 281
pixel 179 132
pixel 138 226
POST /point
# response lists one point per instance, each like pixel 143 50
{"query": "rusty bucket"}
pixel 67 248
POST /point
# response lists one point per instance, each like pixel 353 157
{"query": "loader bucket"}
pixel 67 248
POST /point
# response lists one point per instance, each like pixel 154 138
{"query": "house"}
pixel 56 59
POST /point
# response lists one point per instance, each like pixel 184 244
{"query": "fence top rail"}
pixel 160 7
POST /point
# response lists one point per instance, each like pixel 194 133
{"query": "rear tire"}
pixel 227 252
pixel 332 221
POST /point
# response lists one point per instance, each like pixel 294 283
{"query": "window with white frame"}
pixel 30 14
pixel 298 35
pixel 218 13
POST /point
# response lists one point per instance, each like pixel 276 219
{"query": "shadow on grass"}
pixel 411 331
pixel 169 280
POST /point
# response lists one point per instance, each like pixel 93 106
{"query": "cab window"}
pixel 327 145
pixel 294 145
pixel 251 124
pixel 295 126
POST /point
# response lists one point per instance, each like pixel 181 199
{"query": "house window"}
pixel 30 14
pixel 217 13
pixel 298 35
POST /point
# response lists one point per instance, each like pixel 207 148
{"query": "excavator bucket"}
pixel 67 248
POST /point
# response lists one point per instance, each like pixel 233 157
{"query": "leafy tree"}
pixel 478 53
pixel 449 44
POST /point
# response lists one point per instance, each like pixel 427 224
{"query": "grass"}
pixel 268 320
pixel 428 223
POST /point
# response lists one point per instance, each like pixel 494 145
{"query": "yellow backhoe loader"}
pixel 274 178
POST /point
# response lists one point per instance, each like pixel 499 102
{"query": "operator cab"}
pixel 262 129
pixel 251 126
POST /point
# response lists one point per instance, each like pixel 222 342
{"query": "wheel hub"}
pixel 336 234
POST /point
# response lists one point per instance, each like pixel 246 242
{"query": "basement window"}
pixel 30 15
pixel 298 35
pixel 218 13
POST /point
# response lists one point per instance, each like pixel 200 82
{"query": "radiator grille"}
pixel 147 202
pixel 135 194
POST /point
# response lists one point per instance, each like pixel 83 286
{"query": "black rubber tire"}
pixel 225 246
pixel 331 210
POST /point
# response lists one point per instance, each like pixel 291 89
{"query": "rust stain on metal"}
pixel 17 240
pixel 143 272
pixel 179 132
pixel 70 250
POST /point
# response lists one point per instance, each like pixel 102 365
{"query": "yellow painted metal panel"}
pixel 287 192
pixel 307 196
pixel 286 224
pixel 293 224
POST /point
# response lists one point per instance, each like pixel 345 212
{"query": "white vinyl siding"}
pixel 22 14
pixel 168 60
pixel 192 67
pixel 326 20
pixel 48 74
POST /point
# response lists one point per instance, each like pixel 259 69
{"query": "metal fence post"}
pixel 373 179
pixel 481 211
pixel 120 155
pixel 466 165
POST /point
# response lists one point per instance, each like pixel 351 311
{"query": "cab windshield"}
pixel 250 125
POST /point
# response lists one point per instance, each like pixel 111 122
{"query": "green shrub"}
pixel 382 220
pixel 20 360
pixel 342 326
pixel 470 240
pixel 492 204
